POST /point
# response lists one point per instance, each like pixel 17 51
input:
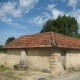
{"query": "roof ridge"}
pixel 53 38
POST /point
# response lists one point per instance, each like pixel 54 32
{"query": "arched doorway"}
pixel 63 53
pixel 23 57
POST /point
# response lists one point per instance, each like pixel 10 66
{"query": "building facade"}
pixel 49 51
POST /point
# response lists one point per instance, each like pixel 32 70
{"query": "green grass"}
pixel 2 51
pixel 4 68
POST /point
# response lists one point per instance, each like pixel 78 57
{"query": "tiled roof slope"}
pixel 47 39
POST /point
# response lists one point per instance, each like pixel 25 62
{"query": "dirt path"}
pixel 22 75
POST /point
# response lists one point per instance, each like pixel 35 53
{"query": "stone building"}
pixel 47 51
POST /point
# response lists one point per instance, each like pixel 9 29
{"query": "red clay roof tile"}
pixel 47 39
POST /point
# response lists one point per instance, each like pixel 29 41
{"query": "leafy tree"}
pixel 9 40
pixel 66 25
pixel 1 47
pixel 78 36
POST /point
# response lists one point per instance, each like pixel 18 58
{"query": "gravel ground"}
pixel 23 75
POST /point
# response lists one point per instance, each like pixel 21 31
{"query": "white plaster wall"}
pixel 39 58
pixel 73 59
pixel 13 57
pixel 2 58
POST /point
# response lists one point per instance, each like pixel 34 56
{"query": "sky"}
pixel 20 17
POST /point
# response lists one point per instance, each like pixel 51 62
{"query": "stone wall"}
pixel 2 59
pixel 37 58
pixel 73 59
pixel 46 59
pixel 12 57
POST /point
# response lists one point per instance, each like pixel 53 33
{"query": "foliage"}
pixel 9 40
pixel 1 47
pixel 4 68
pixel 78 36
pixel 66 25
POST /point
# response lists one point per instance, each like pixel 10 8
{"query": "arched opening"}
pixel 23 57
pixel 63 53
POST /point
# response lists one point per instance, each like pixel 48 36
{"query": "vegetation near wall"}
pixel 1 49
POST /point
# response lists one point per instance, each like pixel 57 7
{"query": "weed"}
pixel 2 67
pixel 51 76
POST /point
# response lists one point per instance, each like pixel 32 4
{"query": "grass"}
pixel 7 75
pixel 4 68
pixel 2 52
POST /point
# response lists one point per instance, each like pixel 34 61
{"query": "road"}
pixel 72 76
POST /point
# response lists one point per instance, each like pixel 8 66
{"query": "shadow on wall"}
pixel 31 52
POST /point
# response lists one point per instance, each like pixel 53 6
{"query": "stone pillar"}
pixel 53 63
pixel 69 60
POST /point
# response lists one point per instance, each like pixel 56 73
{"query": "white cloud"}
pixel 40 8
pixel 8 8
pixel 15 9
pixel 27 4
pixel 40 20
pixel 75 13
pixel 17 25
pixel 37 20
pixel 73 3
pixel 47 15
pixel 56 13
pixel 50 6
pixel 10 22
pixel 7 20
pixel 16 13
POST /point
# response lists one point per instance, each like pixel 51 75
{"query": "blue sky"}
pixel 19 17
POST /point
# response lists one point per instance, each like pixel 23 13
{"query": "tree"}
pixel 1 47
pixel 9 40
pixel 66 25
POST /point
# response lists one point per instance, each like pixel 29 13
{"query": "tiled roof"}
pixel 47 39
